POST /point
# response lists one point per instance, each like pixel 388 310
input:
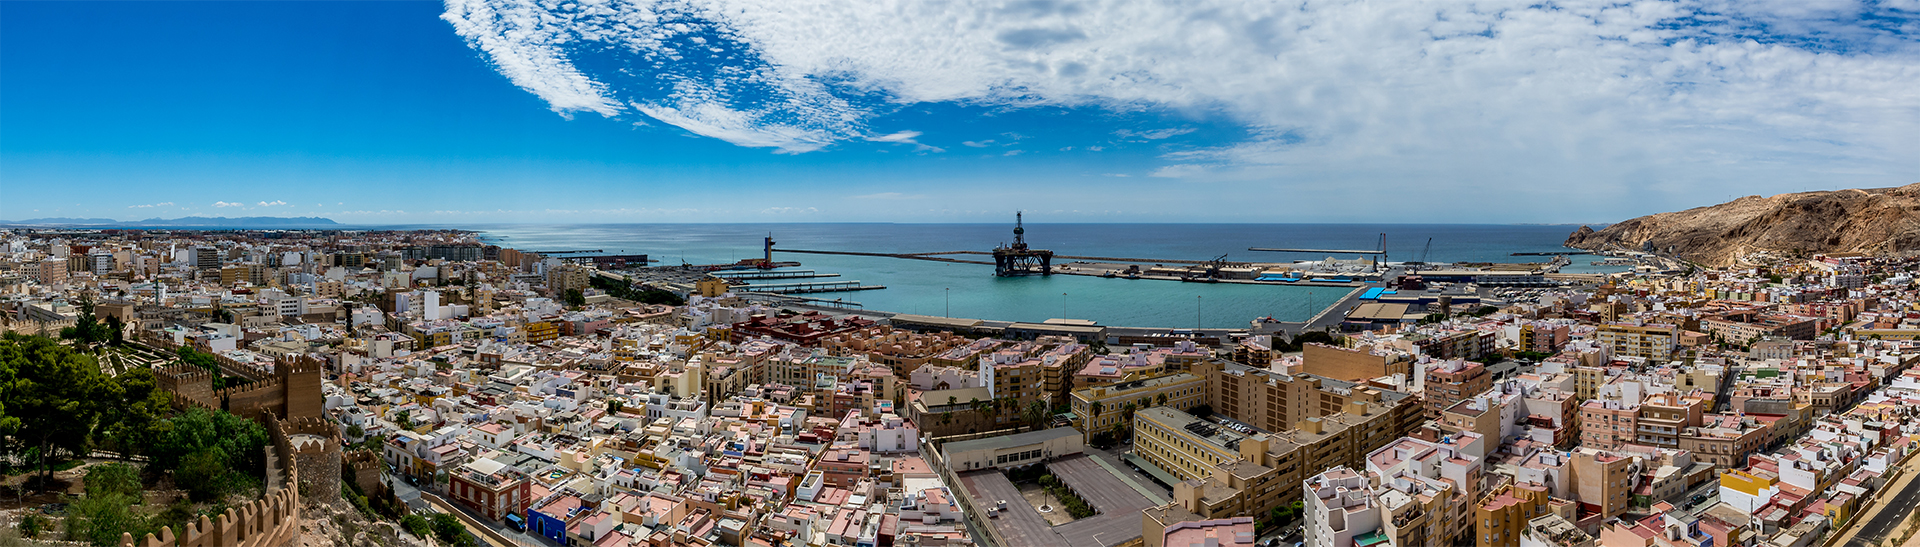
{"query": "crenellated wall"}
pixel 318 462
pixel 272 520
pixel 367 466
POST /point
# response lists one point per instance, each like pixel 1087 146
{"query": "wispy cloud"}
pixel 1183 170
pixel 149 206
pixel 978 144
pixel 788 210
pixel 1154 135
pixel 1699 97
pixel 1014 152
pixel 906 137
pixel 224 204
pixel 270 203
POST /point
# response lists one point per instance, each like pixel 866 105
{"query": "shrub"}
pixel 416 525
pixel 113 478
pixel 31 525
pixel 101 520
pixel 203 474
pixel 450 531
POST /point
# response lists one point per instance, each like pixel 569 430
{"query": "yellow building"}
pixel 711 287
pixel 1500 518
pixel 1104 408
pixel 567 277
pixel 541 331
pixel 1230 471
pixel 1653 341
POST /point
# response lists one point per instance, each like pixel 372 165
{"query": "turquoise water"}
pixel 969 290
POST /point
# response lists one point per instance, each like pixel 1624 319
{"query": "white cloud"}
pixel 161 204
pixel 270 203
pixel 1155 134
pixel 227 204
pixel 978 144
pixel 788 210
pixel 1569 100
pixel 1180 170
pixel 906 137
pixel 1014 152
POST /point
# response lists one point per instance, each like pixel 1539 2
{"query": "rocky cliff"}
pixel 1877 220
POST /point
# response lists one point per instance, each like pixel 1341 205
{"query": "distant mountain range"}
pixel 184 222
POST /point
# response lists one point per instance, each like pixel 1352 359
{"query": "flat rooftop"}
pixel 1010 441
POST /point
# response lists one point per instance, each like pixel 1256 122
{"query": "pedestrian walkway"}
pixel 1152 494
pixel 273 468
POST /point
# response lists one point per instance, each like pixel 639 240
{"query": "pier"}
pixel 806 287
pixel 910 256
pixel 1320 251
pixel 790 274
pixel 567 252
pixel 1555 253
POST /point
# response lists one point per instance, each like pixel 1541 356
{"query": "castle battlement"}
pixel 271 520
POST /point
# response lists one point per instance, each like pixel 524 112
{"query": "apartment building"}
pixel 1237 470
pixel 1451 381
pixel 1654 342
pixel 1274 401
pixel 1104 408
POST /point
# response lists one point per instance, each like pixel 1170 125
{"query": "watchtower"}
pixel 1016 259
pixel 300 377
pixel 187 381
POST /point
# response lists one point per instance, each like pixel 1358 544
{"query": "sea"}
pixel 972 291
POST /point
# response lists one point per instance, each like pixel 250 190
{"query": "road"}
pixel 410 495
pixel 1884 518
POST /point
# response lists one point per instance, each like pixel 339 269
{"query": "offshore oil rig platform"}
pixel 1017 260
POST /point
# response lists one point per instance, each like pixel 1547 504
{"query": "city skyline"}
pixel 420 113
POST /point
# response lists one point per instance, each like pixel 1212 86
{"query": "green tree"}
pixel 211 452
pixel 416 525
pixel 449 530
pixel 1160 400
pixel 53 398
pixel 112 478
pixel 137 421
pixel 116 331
pixel 355 431
pixel 614 406
pixel 575 298
pixel 87 328
pixel 1035 415
pixel 101 520
pixel 1098 408
pixel 203 474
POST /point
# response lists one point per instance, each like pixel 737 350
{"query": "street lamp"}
pixel 949 302
pixel 1196 315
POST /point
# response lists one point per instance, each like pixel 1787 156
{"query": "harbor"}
pixel 1249 285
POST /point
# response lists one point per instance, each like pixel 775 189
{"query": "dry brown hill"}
pixel 1877 220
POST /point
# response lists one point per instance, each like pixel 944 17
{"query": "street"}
pixel 410 495
pixel 1885 517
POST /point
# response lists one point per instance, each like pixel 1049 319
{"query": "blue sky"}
pixel 485 111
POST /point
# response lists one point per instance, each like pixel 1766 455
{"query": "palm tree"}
pixel 1160 400
pixel 951 400
pixel 1097 408
pixel 977 405
pixel 1035 414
